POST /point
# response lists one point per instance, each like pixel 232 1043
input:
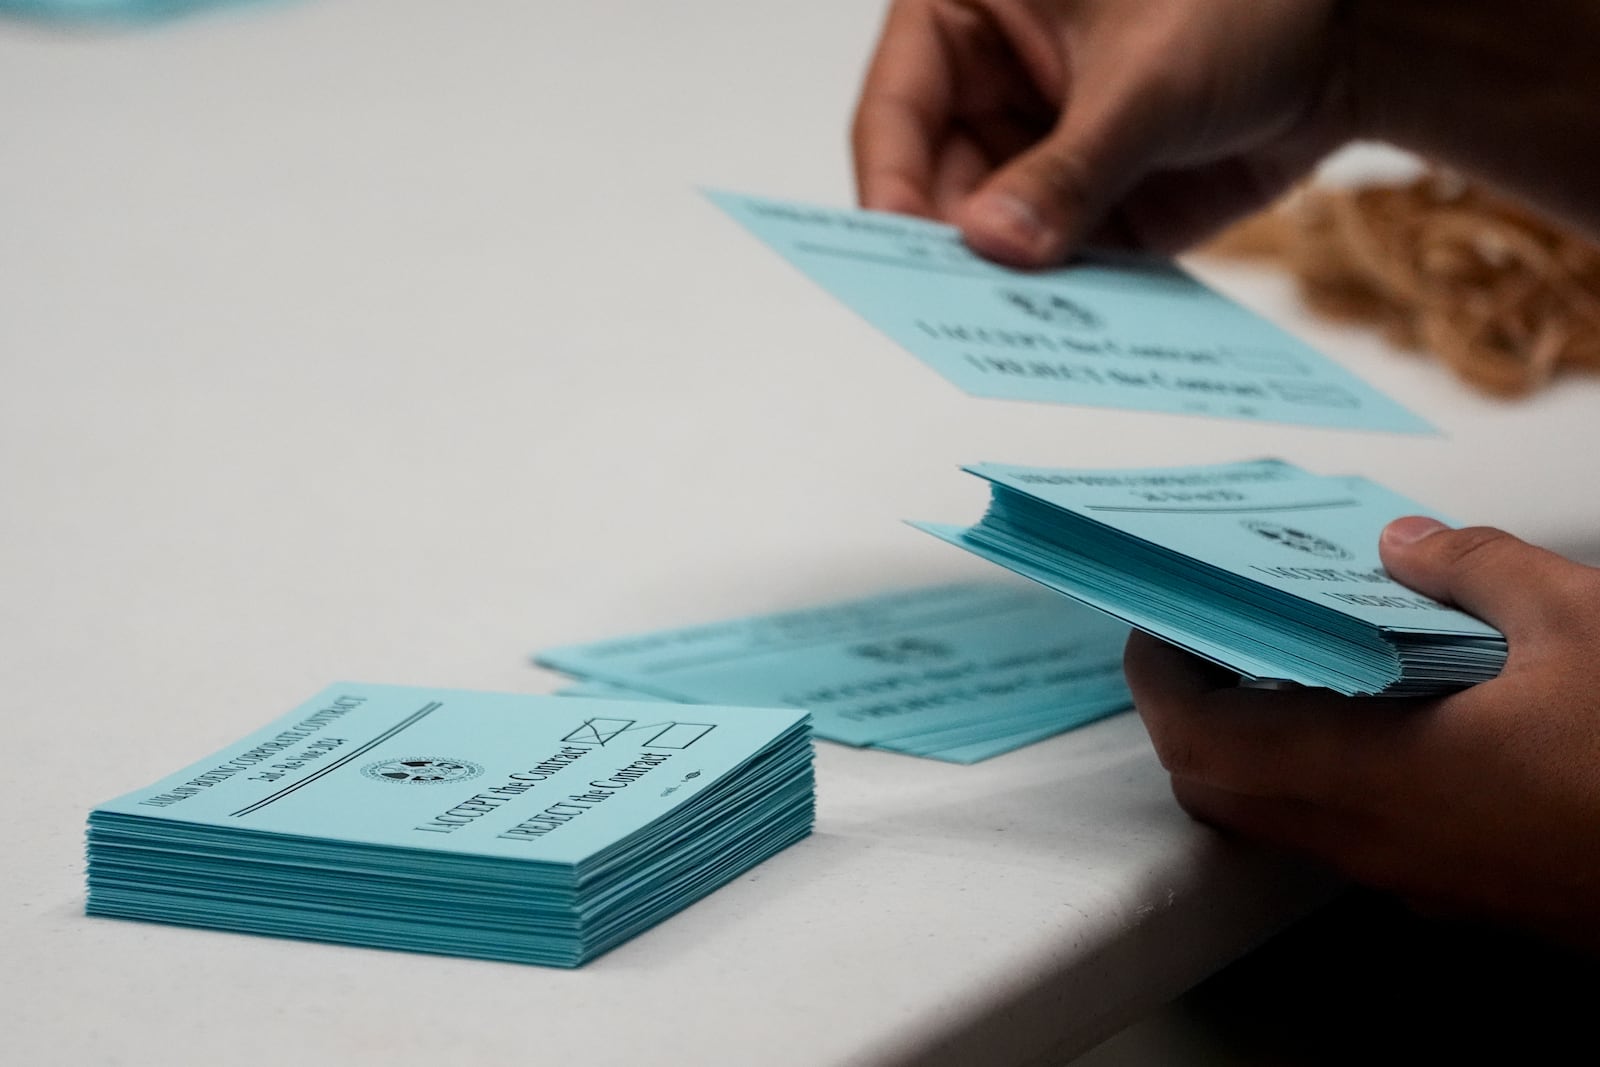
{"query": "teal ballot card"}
pixel 500 775
pixel 973 668
pixel 1260 567
pixel 1267 522
pixel 1099 692
pixel 105 10
pixel 1112 331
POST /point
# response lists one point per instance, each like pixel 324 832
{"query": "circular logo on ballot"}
pixel 1300 540
pixel 1053 308
pixel 422 770
pixel 904 650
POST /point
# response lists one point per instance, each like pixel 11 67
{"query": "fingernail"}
pixel 1015 222
pixel 894 201
pixel 1410 529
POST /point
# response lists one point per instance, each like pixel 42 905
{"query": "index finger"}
pixel 1307 744
pixel 902 115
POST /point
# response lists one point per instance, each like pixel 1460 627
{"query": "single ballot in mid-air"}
pixel 1107 330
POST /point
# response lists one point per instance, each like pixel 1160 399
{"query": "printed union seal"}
pixel 422 770
pixel 1053 308
pixel 904 650
pixel 1299 540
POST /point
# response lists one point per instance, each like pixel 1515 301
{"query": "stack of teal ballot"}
pixel 1260 567
pixel 124 11
pixel 533 829
pixel 953 672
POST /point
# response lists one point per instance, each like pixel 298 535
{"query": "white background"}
pixel 391 341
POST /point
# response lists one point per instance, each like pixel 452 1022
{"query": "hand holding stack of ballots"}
pixel 1260 567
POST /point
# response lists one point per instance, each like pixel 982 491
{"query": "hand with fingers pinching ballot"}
pixel 1177 117
pixel 1037 126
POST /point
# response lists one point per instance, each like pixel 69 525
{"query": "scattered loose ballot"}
pixel 533 829
pixel 1115 331
pixel 107 11
pixel 953 672
pixel 1260 567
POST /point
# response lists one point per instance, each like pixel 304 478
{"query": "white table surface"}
pixel 390 341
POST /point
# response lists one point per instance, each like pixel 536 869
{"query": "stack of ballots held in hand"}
pixel 957 672
pixel 524 828
pixel 1258 566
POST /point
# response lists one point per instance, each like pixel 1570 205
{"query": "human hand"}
pixel 1033 124
pixel 1484 803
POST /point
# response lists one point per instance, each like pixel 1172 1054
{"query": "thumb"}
pixel 1036 209
pixel 1513 586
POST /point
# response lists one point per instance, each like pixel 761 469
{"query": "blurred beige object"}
pixel 1503 296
